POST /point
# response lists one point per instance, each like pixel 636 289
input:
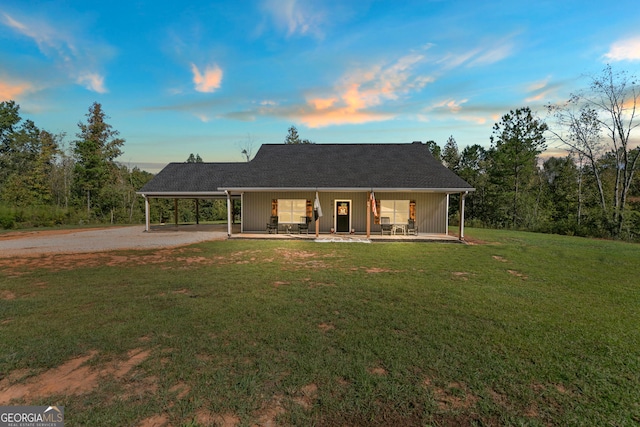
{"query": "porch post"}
pixel 146 213
pixel 229 213
pixel 461 226
pixel 446 227
pixel 368 215
pixel 175 211
pixel 197 212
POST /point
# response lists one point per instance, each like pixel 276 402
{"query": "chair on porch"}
pixel 304 224
pixel 385 225
pixel 412 228
pixel 272 225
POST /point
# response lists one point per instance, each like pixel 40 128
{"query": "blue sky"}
pixel 210 77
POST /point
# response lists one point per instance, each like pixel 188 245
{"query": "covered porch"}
pixel 313 231
pixel 221 230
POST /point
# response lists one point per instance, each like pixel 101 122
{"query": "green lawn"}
pixel 521 329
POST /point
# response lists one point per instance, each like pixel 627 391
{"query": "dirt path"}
pixel 36 243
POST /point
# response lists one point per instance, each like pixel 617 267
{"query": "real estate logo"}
pixel 31 416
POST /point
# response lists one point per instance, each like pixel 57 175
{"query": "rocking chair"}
pixel 272 226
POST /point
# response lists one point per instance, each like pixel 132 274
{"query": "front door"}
pixel 343 216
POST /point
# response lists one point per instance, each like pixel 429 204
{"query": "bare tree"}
pixel 581 132
pixel 247 146
pixel 608 107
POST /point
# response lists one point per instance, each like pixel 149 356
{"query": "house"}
pixel 404 182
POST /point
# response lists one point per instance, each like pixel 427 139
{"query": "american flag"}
pixel 374 209
pixel 317 209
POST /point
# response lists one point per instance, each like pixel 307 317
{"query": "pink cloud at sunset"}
pixel 9 91
pixel 361 91
pixel 209 81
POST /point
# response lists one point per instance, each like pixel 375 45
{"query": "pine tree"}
pixel 95 152
pixel 450 154
pixel 292 136
pixel 516 142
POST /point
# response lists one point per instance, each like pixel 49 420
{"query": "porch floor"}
pixel 322 237
pixel 358 237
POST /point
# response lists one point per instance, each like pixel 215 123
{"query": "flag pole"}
pixel 317 213
pixel 369 216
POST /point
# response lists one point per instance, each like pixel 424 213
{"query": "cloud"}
pixel 295 17
pixel 359 92
pixel 539 90
pixel 451 105
pixel 11 91
pixel 463 110
pixel 451 109
pixel 92 81
pixel 624 50
pixel 545 90
pixel 451 60
pixel 492 55
pixel 479 56
pixel 209 81
pixel 78 57
pixel 360 95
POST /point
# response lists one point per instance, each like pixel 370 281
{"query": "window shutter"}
pixel 309 209
pixel 274 207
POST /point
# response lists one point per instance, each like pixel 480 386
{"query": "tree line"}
pixel 43 182
pixel 592 191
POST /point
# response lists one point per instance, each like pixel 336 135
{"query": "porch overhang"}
pixel 184 194
pixel 347 189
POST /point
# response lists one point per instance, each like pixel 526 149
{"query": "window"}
pixel 290 210
pixel 396 210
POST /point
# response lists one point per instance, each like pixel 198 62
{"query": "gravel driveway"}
pixel 35 243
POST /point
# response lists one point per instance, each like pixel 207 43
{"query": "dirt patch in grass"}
pixel 267 415
pixel 499 258
pixel 155 421
pixel 454 396
pixel 206 418
pixel 181 389
pixel 324 327
pixel 167 258
pixel 296 259
pixel 7 295
pixel 280 283
pixel 73 377
pixel 378 370
pixel 517 274
pixel 12 235
pixel 471 241
pixel 163 258
pixel 61 262
pixel 374 270
pixel 498 398
pixel 307 395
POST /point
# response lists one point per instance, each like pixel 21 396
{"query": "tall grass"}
pixel 35 216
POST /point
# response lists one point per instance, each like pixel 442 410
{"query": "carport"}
pixel 196 181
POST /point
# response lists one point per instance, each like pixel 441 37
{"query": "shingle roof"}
pixel 192 177
pixel 311 166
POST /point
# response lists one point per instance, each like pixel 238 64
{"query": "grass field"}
pixel 516 329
